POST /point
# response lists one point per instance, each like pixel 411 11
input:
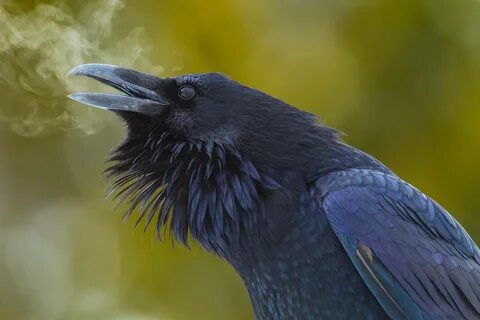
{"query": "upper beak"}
pixel 141 96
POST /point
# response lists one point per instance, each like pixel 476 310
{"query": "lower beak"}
pixel 139 89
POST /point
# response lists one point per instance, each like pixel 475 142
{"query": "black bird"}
pixel 316 228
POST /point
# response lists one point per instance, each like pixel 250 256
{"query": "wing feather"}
pixel 430 257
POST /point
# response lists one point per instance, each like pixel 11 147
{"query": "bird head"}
pixel 202 146
pixel 208 107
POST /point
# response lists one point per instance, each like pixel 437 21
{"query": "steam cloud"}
pixel 39 46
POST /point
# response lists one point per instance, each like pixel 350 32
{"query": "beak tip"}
pixel 90 99
pixel 75 71
pixel 75 97
pixel 89 69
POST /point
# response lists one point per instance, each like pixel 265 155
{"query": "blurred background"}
pixel 400 78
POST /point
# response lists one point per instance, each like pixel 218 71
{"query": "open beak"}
pixel 140 94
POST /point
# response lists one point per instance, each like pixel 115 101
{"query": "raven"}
pixel 316 228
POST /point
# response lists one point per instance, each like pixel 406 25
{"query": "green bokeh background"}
pixel 400 78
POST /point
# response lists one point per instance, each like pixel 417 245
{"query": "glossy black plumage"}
pixel 316 228
pixel 429 254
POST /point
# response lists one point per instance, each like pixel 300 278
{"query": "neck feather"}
pixel 204 189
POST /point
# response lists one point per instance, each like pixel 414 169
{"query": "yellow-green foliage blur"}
pixel 400 78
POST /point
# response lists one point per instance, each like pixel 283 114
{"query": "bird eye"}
pixel 186 92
